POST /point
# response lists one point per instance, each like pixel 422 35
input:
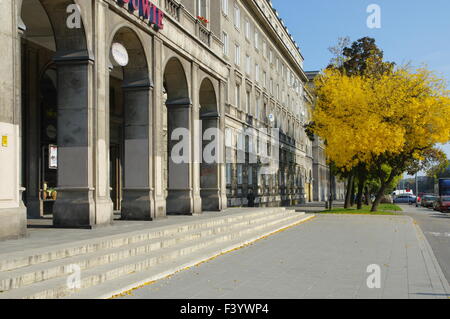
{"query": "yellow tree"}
pixel 381 120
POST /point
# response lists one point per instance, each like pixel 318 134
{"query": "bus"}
pixel 444 187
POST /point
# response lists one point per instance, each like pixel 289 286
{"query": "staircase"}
pixel 114 264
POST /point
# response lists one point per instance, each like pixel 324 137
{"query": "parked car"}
pixel 405 199
pixel 428 201
pixel 442 204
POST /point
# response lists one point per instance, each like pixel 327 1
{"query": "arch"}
pixel 208 98
pixel 178 117
pixel 175 82
pixel 130 144
pixel 68 41
pixel 68 48
pixel 209 168
pixel 136 72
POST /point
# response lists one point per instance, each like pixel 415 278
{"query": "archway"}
pixel 39 104
pixel 130 138
pixel 209 167
pixel 49 41
pixel 178 175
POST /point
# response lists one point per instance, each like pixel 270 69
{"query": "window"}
pixel 225 7
pixel 264 79
pixel 237 54
pixel 264 48
pixel 257 72
pixel 248 62
pixel 250 176
pixel 271 56
pixel 257 111
pixel 247 29
pixel 202 8
pixel 237 16
pixel 228 137
pixel 239 174
pixel 237 96
pixel 256 39
pixel 228 174
pixel 225 43
pixel 247 104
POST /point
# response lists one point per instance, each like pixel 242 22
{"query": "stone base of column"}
pixel 77 209
pixel 34 210
pixel 197 204
pixel 104 212
pixel 137 205
pixel 160 207
pixel 13 223
pixel 181 202
pixel 212 200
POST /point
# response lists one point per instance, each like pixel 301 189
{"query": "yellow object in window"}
pixel 5 141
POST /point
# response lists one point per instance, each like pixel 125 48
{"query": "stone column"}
pixel 222 161
pixel 196 133
pixel 213 175
pixel 159 146
pixel 103 202
pixel 75 205
pixel 137 203
pixel 180 192
pixel 12 211
pixel 209 171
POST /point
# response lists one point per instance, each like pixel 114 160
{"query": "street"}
pixel 436 227
pixel 328 257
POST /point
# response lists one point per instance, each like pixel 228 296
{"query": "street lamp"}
pixel 331 188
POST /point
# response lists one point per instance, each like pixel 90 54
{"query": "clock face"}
pixel 51 132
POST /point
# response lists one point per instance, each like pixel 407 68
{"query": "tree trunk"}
pixel 367 195
pixel 380 192
pixel 352 195
pixel 361 184
pixel 348 192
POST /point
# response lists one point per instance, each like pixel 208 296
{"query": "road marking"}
pixel 438 234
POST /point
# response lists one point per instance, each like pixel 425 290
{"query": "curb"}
pixel 433 267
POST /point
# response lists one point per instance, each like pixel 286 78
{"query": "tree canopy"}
pixel 377 116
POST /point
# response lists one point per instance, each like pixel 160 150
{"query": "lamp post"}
pixel 330 199
pixel 417 186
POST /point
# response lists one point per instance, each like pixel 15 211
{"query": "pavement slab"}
pixel 324 258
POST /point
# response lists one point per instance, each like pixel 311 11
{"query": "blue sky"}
pixel 416 31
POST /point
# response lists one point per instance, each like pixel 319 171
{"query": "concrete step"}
pixel 44 271
pixel 57 287
pixel 46 254
pixel 111 288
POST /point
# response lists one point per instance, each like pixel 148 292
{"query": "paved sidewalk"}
pixel 324 258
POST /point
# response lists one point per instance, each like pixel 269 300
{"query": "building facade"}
pixel 265 95
pixel 97 96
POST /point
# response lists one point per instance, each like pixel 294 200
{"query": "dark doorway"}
pixel 116 138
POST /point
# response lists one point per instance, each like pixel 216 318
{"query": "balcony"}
pixel 203 33
pixel 172 8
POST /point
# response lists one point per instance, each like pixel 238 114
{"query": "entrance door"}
pixel 115 175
